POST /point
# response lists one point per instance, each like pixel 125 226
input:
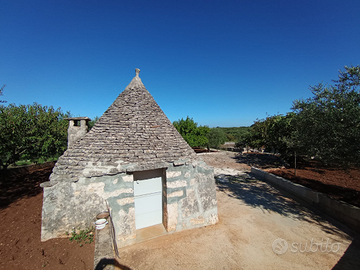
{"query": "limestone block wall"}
pixel 76 204
pixel 190 197
pixel 189 201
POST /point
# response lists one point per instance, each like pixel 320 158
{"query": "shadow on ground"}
pixel 16 183
pixel 261 195
pixel 351 257
pixel 110 264
pixel 263 161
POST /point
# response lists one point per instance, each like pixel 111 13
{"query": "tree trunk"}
pixel 295 163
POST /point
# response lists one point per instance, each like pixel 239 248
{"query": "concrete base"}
pixel 150 233
pixel 104 252
pixel 344 212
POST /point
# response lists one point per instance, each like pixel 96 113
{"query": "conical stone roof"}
pixel 133 134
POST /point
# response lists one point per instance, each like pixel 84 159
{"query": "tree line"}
pixel 31 132
pixel 203 136
pixel 325 126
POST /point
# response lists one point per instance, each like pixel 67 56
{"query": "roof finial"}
pixel 137 71
pixel 136 81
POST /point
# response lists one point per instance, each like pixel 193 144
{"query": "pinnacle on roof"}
pixel 133 131
pixel 136 81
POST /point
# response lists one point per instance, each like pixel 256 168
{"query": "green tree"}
pixel 31 132
pixel 93 122
pixel 230 137
pixel 283 137
pixel 195 136
pixel 202 139
pixel 328 123
pixel 260 132
pixel 275 133
pixel 242 137
pixel 1 93
pixel 234 133
pixel 243 140
pixel 239 132
pixel 216 137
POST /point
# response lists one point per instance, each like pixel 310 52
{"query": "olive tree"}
pixel 216 137
pixel 328 123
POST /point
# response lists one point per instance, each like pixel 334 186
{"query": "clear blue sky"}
pixel 223 63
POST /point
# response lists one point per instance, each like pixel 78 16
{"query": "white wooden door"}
pixel 148 202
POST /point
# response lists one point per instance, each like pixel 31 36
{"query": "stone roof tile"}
pixel 133 130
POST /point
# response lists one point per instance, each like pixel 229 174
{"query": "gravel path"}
pixel 259 228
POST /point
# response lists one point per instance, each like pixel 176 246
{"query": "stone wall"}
pixel 189 201
pixel 76 204
pixel 190 197
pixel 342 211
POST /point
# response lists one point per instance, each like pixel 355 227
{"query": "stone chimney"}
pixel 78 127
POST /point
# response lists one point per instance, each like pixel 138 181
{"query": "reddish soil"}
pixel 337 183
pixel 21 203
pixel 20 215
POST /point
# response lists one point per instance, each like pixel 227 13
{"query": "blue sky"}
pixel 223 63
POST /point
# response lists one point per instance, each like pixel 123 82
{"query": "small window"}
pixel 77 123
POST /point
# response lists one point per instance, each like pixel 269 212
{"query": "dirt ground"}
pixel 340 184
pixel 20 215
pixel 241 162
pixel 256 220
pixel 252 216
